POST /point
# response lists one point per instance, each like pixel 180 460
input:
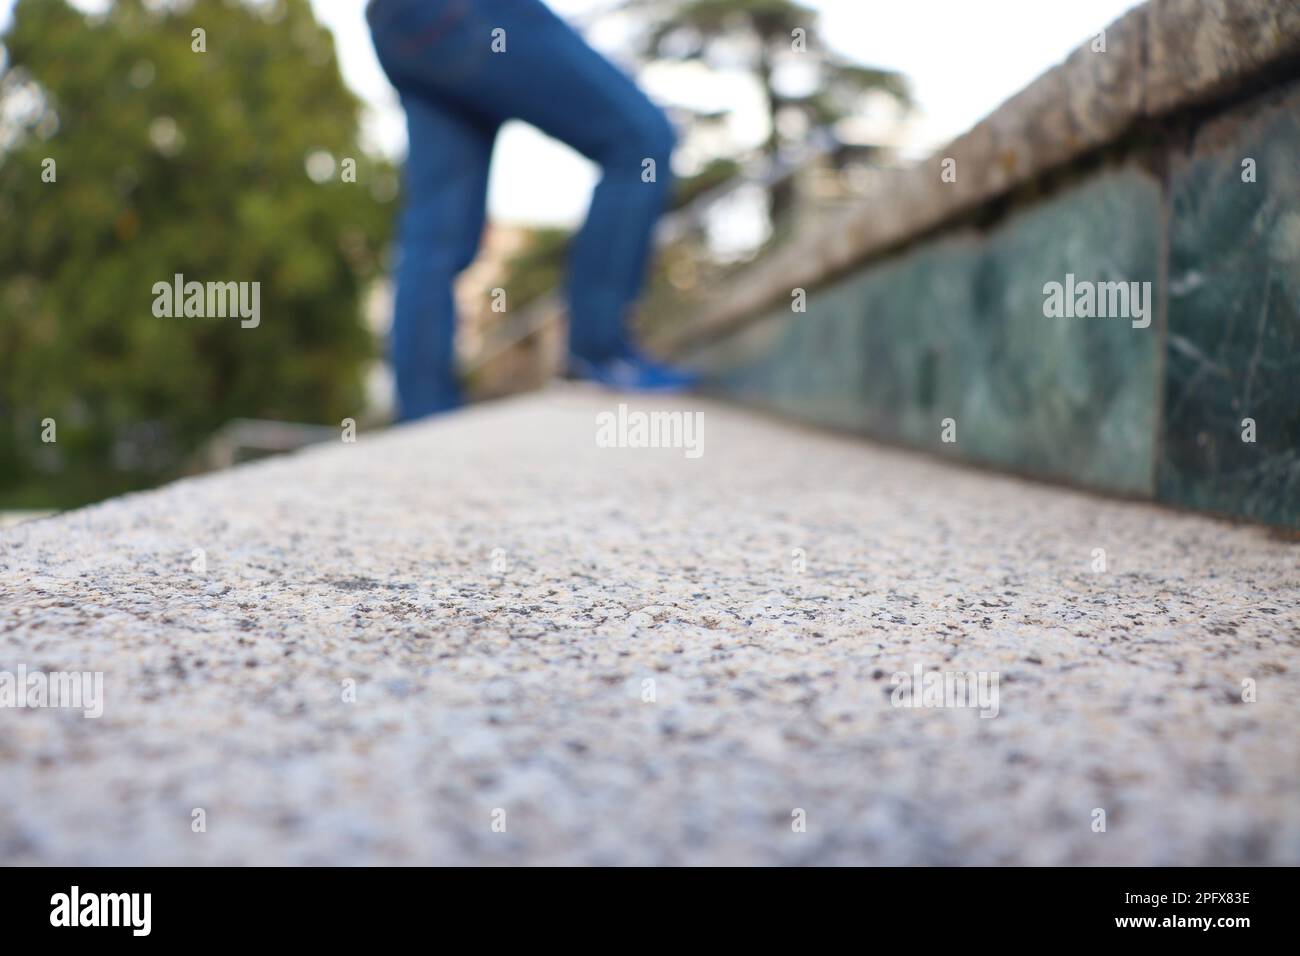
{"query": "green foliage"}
pixel 173 161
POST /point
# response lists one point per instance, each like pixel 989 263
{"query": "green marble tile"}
pixel 1234 324
pixel 955 329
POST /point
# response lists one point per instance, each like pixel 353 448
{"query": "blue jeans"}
pixel 457 91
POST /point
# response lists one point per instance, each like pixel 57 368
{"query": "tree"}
pixel 767 35
pixel 207 140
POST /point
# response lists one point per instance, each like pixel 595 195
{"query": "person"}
pixel 461 69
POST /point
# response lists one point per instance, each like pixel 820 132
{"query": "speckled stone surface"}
pixel 522 689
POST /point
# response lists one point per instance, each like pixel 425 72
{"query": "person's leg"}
pixel 588 103
pixel 547 76
pixel 611 253
pixel 444 192
pixel 445 186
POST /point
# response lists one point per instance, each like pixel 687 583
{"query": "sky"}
pixel 963 58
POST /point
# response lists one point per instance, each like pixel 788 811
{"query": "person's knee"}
pixel 658 139
pixel 661 137
pixel 647 136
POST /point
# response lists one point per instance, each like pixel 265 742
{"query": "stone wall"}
pixel 1171 158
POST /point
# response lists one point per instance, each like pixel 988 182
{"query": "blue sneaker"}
pixel 633 372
